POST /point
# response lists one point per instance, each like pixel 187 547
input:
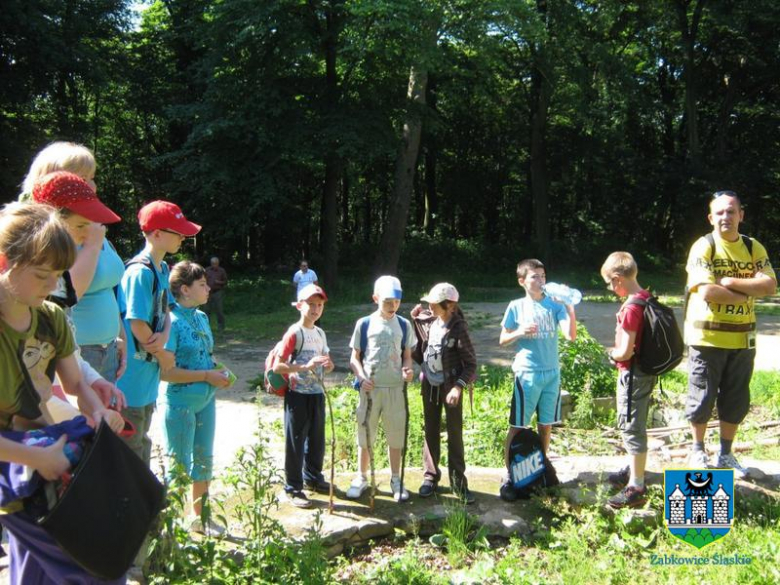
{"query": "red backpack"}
pixel 274 383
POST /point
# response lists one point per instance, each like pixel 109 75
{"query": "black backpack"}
pixel 661 346
pixel 529 468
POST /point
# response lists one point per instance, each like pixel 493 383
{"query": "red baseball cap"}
pixel 164 215
pixel 65 190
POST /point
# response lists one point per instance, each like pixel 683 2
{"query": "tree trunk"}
pixel 431 202
pixel 431 197
pixel 541 91
pixel 689 32
pixel 392 237
pixel 329 217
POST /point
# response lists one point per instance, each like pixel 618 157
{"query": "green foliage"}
pixel 699 538
pixel 461 534
pixel 173 551
pixel 267 554
pixel 585 367
pixel 765 391
pixel 404 569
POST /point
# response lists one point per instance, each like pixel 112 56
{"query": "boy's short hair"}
pixel 528 264
pixel 619 264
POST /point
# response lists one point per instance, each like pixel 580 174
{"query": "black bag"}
pixel 529 468
pixel 661 347
pixel 108 508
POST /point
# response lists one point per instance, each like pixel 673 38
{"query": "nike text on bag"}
pixel 661 347
pixel 529 468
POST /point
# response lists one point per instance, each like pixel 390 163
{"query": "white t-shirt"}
pixel 315 343
pixel 303 278
pixel 382 359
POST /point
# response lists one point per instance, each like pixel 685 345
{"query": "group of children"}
pixel 53 254
pixel 167 338
pixel 384 344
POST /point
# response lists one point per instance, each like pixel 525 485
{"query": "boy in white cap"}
pixel 382 345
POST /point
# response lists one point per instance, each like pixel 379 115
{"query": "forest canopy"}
pixel 348 129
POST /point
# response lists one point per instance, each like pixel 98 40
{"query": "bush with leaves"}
pixel 584 364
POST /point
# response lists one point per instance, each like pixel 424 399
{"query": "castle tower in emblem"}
pixel 677 506
pixel 699 509
pixel 720 506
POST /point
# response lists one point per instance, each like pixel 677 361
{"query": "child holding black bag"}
pixel 36 342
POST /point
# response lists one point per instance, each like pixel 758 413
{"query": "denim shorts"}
pixel 104 358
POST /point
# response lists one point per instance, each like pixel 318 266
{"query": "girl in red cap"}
pixel 79 208
pixel 97 269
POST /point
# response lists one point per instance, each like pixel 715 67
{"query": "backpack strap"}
pixel 745 240
pixel 144 261
pixel 404 332
pixel 147 263
pixel 298 343
pixel 642 303
pixel 364 322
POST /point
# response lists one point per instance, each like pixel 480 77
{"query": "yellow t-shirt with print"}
pixel 705 322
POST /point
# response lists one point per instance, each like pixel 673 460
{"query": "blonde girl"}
pixel 96 271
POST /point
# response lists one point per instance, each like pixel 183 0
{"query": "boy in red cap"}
pixel 143 302
pixel 305 357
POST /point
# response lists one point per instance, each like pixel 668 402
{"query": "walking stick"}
pixel 406 439
pixel 369 446
pixel 332 447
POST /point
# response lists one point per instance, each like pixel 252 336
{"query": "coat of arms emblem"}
pixel 699 504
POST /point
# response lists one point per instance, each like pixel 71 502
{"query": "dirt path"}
pixel 237 413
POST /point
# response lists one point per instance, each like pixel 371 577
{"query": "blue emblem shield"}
pixel 699 504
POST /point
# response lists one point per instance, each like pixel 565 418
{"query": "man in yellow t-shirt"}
pixel 726 273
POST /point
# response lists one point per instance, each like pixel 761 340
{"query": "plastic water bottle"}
pixel 563 293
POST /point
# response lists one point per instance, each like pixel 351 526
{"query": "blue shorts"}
pixel 188 430
pixel 538 392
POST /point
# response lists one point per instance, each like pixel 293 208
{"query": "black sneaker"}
pixel 508 493
pixel 428 488
pixel 298 499
pixel 321 486
pixel 465 496
pixel 629 497
pixel 620 478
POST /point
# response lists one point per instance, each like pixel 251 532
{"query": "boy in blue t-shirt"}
pixel 144 302
pixel 531 323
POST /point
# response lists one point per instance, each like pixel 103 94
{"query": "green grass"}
pixel 582 544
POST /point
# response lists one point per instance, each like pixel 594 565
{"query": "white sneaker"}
pixel 728 461
pixel 699 460
pixel 210 529
pixel 357 487
pixel 398 495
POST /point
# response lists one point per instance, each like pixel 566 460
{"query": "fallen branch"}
pixel 735 447
pixel 710 425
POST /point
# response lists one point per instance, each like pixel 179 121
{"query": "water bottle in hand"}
pixel 563 293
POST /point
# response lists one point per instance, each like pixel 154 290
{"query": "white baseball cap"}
pixel 309 291
pixel 387 287
pixel 443 291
